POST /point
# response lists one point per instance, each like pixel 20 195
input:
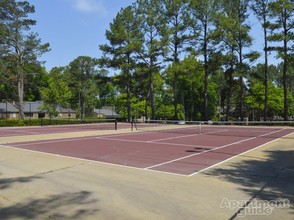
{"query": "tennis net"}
pixel 270 129
pixel 98 124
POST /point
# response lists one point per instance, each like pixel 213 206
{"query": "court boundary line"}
pixel 145 169
pixel 19 131
pixel 198 153
pixel 210 150
pixel 26 142
pixel 108 137
pixel 92 161
pixel 238 155
pixel 171 138
pixel 34 142
pixel 154 142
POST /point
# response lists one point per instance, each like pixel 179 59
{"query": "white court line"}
pixel 108 137
pixel 210 150
pixel 215 131
pixel 203 152
pixel 149 132
pixel 19 131
pixel 132 167
pixel 35 142
pixel 207 168
pixel 171 138
pixel 154 142
pixel 92 161
pixel 272 133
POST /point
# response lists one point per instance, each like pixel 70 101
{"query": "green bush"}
pixel 11 123
pixel 45 122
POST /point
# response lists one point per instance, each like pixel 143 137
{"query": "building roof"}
pixel 37 107
pixel 64 110
pixel 7 107
pixel 30 107
pixel 33 106
pixel 108 112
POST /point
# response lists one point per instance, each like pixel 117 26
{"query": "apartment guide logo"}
pixel 254 207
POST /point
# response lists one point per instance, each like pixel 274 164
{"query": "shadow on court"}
pixel 39 208
pixel 9 182
pixel 266 179
pixel 50 207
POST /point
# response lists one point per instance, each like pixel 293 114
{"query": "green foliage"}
pixel 255 99
pixel 11 123
pixel 173 59
pixel 17 43
pixel 124 40
pixel 80 75
pixel 36 78
pixel 56 94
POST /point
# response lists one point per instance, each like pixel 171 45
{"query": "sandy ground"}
pixel 256 185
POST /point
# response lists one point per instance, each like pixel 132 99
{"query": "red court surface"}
pixel 20 131
pixel 168 152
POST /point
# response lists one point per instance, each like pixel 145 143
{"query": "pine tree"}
pixel 261 10
pixel 282 27
pixel 124 40
pixel 17 42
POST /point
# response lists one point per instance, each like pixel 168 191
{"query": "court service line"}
pixel 17 131
pixel 151 142
pixel 190 135
pixel 171 138
pixel 215 131
pixel 90 161
pixel 240 154
pixel 210 150
pixel 34 142
pixel 272 132
pixel 203 152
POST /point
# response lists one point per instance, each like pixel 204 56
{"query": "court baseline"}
pixel 149 154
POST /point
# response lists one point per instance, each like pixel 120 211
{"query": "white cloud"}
pixel 90 6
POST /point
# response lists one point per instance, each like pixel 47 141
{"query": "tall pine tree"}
pixel 124 40
pixel 17 42
pixel 282 27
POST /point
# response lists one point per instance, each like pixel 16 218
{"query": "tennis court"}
pixel 157 171
pixel 176 149
pixel 48 129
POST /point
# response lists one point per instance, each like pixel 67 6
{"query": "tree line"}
pixel 173 59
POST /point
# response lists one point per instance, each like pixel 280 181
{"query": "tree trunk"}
pixel 265 76
pixel 285 68
pixel 230 72
pixel 242 99
pixel 206 94
pixel 206 74
pixel 175 96
pixel 152 97
pixel 286 118
pixel 20 86
pixel 128 90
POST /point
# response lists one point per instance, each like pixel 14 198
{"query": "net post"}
pixel 132 124
pixel 200 128
pixel 115 124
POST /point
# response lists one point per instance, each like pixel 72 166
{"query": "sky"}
pixel 76 28
pixel 73 28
